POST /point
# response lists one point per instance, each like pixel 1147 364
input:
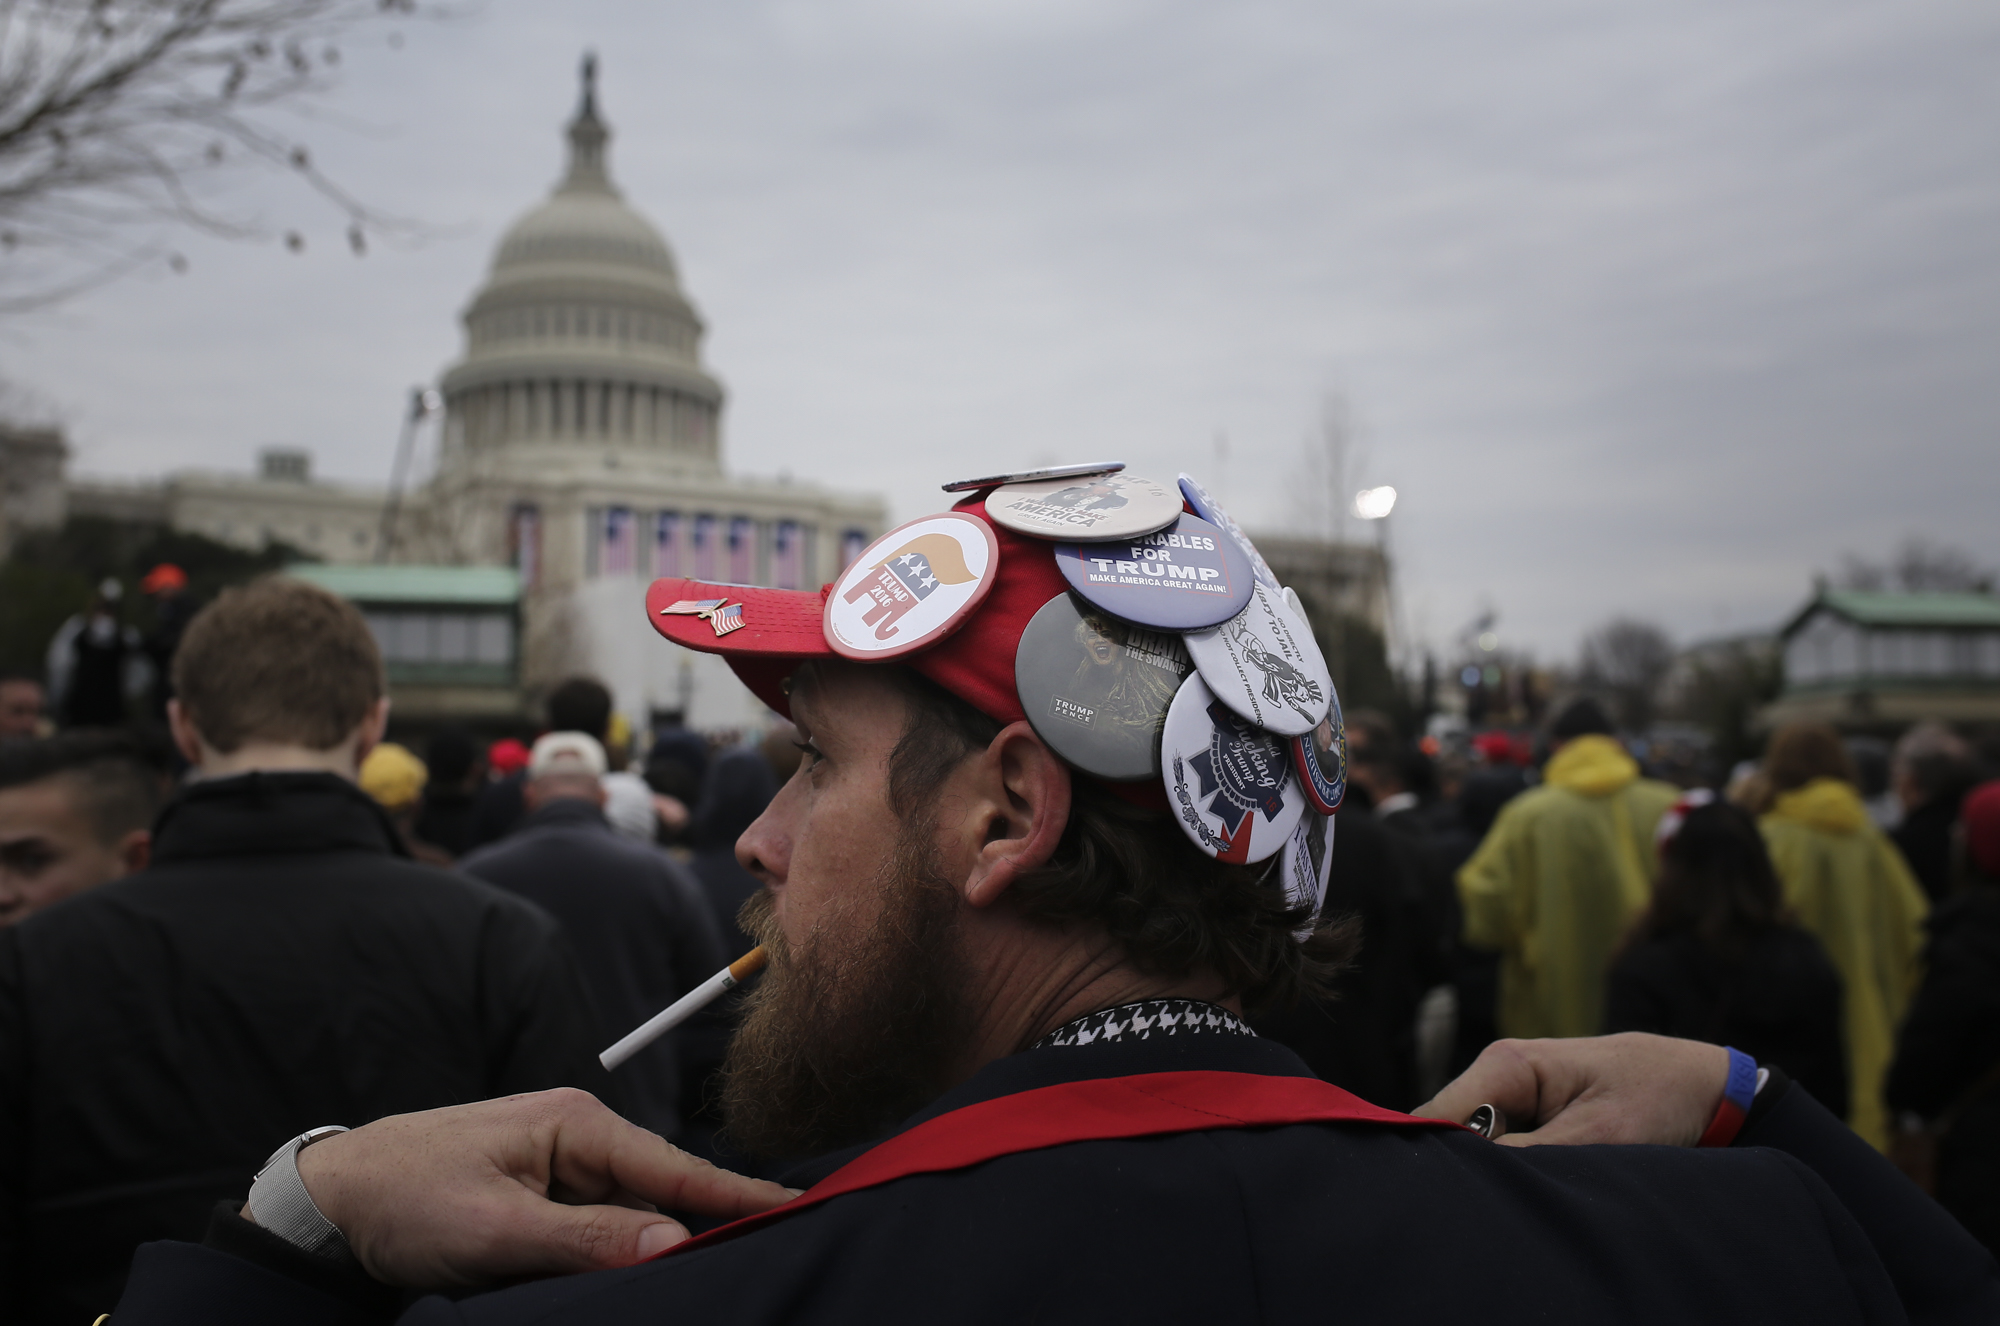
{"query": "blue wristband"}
pixel 1742 1084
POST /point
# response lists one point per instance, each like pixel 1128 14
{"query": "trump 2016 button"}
pixel 1265 665
pixel 1104 506
pixel 1230 782
pixel 1097 689
pixel 912 587
pixel 1183 578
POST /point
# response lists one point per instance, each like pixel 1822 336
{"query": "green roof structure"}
pixel 471 586
pixel 1932 611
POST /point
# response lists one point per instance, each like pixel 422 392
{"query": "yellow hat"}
pixel 393 776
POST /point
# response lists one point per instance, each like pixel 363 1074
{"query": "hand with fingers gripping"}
pixel 530 1185
pixel 1631 1087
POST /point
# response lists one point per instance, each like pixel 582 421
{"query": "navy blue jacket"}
pixel 1352 1222
pixel 638 923
pixel 281 965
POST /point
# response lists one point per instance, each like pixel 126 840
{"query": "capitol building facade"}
pixel 580 446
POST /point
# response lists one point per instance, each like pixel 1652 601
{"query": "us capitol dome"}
pixel 582 443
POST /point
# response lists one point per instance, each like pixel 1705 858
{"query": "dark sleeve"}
pixel 240 1274
pixel 1951 1038
pixel 1944 1276
pixel 13 1118
pixel 542 1029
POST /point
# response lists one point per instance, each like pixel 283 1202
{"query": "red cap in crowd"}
pixel 163 578
pixel 507 756
pixel 1980 814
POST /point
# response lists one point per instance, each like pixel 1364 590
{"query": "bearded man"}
pixel 1003 1012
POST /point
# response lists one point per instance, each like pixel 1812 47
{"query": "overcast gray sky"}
pixel 1648 308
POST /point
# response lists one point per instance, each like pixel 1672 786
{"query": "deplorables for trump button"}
pixel 1265 665
pixel 1106 506
pixel 1097 690
pixel 911 587
pixel 1211 511
pixel 1182 578
pixel 1306 865
pixel 1320 756
pixel 1230 782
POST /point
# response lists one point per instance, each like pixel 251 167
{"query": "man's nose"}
pixel 765 848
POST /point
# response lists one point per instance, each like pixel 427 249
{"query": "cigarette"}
pixel 684 1008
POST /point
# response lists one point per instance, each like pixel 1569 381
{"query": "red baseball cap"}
pixel 782 628
pixel 163 577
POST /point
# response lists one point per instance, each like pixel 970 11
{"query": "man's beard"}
pixel 857 1027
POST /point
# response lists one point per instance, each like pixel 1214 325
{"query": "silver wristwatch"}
pixel 280 1203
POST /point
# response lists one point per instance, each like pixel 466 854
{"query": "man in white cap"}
pixel 635 917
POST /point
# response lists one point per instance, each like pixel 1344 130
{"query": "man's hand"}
pixel 531 1185
pixel 1626 1088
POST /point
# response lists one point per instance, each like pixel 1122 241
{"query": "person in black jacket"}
pixel 281 962
pixel 1362 1034
pixel 1947 1066
pixel 1716 959
pixel 636 919
pixel 1932 770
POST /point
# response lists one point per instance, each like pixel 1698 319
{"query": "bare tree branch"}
pixel 119 114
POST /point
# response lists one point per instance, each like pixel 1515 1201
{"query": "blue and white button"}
pixel 1186 577
pixel 1230 782
pixel 1211 511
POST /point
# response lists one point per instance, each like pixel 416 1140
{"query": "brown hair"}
pixel 1173 909
pixel 1801 752
pixel 1716 880
pixel 278 660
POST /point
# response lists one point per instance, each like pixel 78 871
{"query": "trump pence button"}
pixel 912 587
pixel 1097 689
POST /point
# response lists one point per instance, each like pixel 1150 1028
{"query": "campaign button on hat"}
pixel 1306 865
pixel 1211 511
pixel 1104 506
pixel 912 587
pixel 1230 782
pixel 1320 756
pixel 1183 578
pixel 1030 476
pixel 1097 689
pixel 1265 664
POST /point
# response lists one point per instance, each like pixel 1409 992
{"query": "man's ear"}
pixel 187 737
pixel 369 735
pixel 135 850
pixel 1024 810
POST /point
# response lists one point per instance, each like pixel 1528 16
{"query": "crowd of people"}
pixel 1772 912
pixel 261 915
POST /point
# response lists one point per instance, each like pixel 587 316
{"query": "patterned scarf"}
pixel 1145 1020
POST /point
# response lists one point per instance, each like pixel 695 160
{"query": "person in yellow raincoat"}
pixel 1849 885
pixel 1561 875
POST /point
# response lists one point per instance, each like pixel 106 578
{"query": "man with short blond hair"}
pixel 280 960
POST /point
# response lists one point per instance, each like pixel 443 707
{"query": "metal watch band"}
pixel 280 1203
